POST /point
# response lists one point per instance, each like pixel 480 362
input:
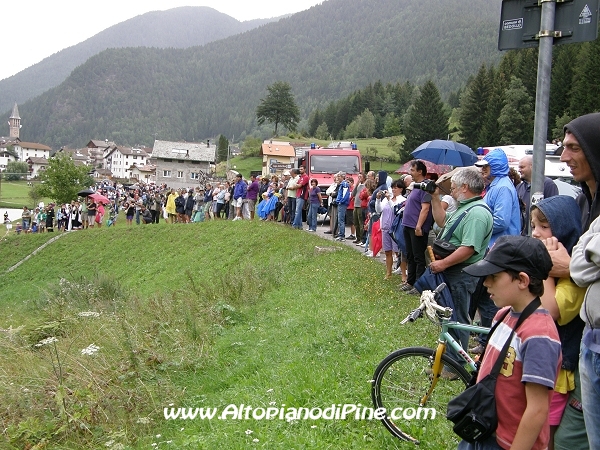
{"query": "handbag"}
pixel 442 248
pixel 474 410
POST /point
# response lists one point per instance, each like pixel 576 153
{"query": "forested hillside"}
pixel 325 53
pixel 175 28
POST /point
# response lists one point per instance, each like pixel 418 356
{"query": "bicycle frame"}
pixel 446 339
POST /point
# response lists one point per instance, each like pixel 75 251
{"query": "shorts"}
pixel 251 205
pixel 557 408
pixel 131 217
pixel 238 202
pixel 349 217
pixel 387 243
pixel 91 219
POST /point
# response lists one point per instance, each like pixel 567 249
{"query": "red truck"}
pixel 324 163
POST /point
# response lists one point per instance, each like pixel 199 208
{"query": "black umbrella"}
pixel 85 192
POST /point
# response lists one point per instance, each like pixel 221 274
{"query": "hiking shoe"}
pixel 340 238
pixel 478 350
pixel 369 253
pixel 327 232
pixel 406 287
pixel 351 237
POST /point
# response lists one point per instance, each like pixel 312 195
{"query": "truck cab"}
pixel 323 163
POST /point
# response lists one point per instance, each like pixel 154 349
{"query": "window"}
pixel 194 176
pixel 180 174
pixel 167 173
pixel 134 156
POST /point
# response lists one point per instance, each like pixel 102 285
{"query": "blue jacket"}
pixel 343 197
pixel 501 197
pixel 240 189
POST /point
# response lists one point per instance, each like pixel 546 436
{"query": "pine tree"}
pixel 473 105
pixel 222 149
pixel 490 131
pixel 561 83
pixel 585 97
pixel 516 117
pixel 428 119
pixel 279 107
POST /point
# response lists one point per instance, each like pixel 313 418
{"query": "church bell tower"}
pixel 14 123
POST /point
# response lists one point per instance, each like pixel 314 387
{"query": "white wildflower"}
pixel 90 350
pixel 158 436
pixel 269 390
pixel 46 341
pixel 254 440
pixel 89 314
pixel 313 426
pixel 109 443
pixel 249 432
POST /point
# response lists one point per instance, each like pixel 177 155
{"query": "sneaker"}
pixel 351 237
pixel 413 291
pixel 369 253
pixel 327 232
pixel 406 287
pixel 397 271
pixel 340 238
pixel 478 350
pixel 361 244
pixel 237 218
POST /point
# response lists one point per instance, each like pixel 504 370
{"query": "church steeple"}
pixel 14 122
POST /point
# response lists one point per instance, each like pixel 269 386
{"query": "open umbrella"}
pixel 431 168
pixel 446 152
pixel 99 198
pixel 85 192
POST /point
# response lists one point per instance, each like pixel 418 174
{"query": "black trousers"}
pixel 415 254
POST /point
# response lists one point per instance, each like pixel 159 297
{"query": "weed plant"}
pixel 105 328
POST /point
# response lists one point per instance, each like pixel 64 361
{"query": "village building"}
pixel 183 164
pixel 277 157
pixel 119 159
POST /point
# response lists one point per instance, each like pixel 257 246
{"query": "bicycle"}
pixel 412 377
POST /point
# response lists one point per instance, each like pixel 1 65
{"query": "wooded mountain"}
pixel 135 95
pixel 176 28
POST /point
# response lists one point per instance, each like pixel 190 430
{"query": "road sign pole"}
pixel 542 99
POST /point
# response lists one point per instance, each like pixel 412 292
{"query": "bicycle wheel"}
pixel 400 382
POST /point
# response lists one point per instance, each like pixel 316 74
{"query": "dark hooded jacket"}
pixel 587 131
pixel 563 215
pixel 381 186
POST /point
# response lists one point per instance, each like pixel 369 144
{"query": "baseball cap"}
pixel 518 253
pixel 481 163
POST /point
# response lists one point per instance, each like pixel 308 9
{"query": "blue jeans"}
pixel 589 372
pixel 298 217
pixel 489 444
pixel 291 201
pixel 311 218
pixel 462 285
pixel 341 214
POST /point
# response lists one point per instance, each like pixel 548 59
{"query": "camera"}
pixel 426 185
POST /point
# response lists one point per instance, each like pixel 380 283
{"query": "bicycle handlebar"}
pixel 429 304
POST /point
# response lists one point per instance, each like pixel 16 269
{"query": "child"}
pixel 314 196
pixel 515 269
pixel 556 220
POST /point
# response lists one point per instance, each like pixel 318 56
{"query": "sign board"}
pixel 281 166
pixel 575 20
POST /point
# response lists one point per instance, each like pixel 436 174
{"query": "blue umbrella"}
pixel 451 153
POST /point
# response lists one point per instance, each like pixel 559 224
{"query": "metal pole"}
pixel 542 99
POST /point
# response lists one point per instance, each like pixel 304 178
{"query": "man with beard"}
pixel 471 237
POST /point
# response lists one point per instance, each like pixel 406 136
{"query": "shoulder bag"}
pixel 474 411
pixel 442 248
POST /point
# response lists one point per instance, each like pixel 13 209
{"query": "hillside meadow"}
pixel 104 328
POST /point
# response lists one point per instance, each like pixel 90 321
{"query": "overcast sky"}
pixel 43 27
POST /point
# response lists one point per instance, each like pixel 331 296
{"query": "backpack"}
pixel 397 229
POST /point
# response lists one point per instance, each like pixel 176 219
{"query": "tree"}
pixel 366 124
pixel 516 117
pixel 15 170
pixel 62 179
pixel 222 149
pixel 427 120
pixel 322 132
pixel 251 147
pixel 391 125
pixel 473 106
pixel 279 107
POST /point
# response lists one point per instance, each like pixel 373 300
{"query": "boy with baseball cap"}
pixel 514 270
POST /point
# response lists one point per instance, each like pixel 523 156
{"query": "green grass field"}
pixel 196 315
